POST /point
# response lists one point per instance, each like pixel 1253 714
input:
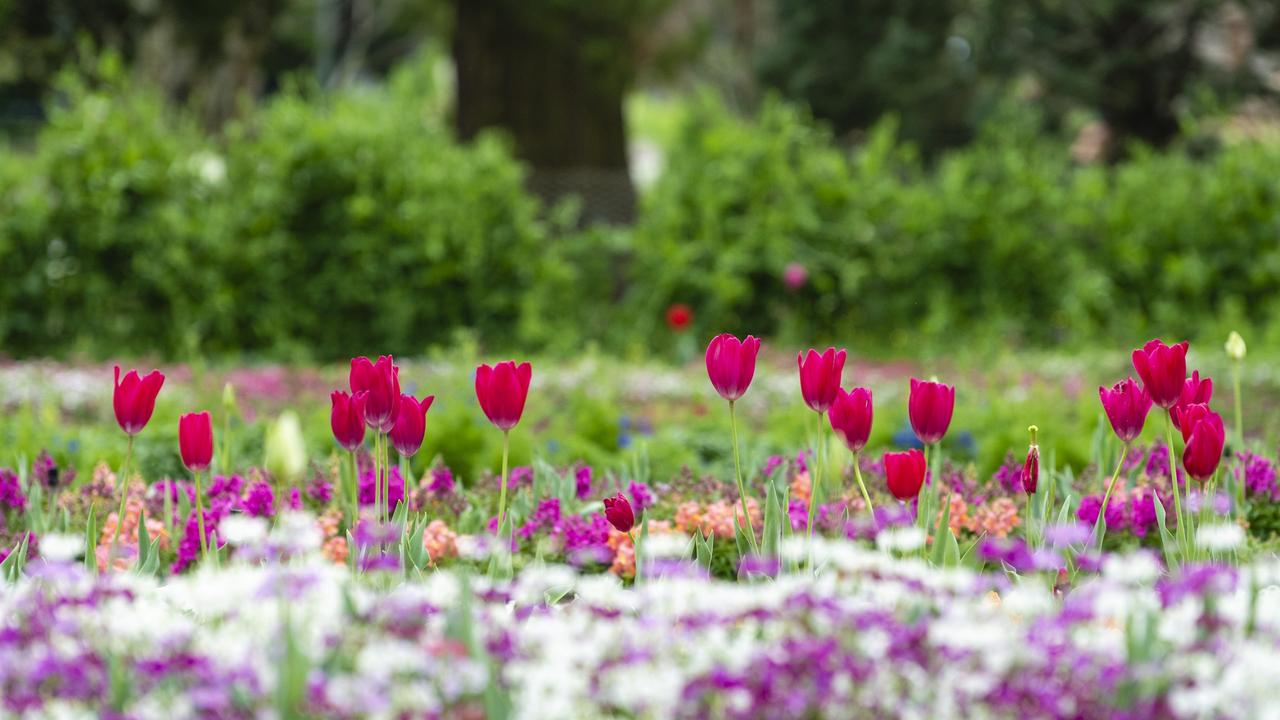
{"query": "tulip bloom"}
pixel 904 473
pixel 1031 470
pixel 1163 369
pixel 1126 405
pixel 1194 392
pixel 850 416
pixel 411 424
pixel 381 384
pixel 617 510
pixel 502 390
pixel 195 440
pixel 1186 417
pixel 731 364
pixel 347 419
pixel 1204 445
pixel 820 377
pixel 134 399
pixel 930 407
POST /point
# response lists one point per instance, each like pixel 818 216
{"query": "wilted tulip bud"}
pixel 286 451
pixel 1031 468
pixel 1235 346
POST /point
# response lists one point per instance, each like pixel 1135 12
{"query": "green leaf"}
pixel 91 541
pixel 939 547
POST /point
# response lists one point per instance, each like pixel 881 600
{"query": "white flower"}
pixel 242 529
pixel 1220 537
pixel 60 547
pixel 901 539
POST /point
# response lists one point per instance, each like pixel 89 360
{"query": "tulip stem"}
pixel 635 554
pixel 355 496
pixel 857 473
pixel 1173 479
pixel 204 539
pixel 1106 498
pixel 742 488
pixel 122 486
pixel 1235 381
pixel 502 494
pixel 814 477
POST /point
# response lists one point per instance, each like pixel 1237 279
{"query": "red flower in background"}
pixel 617 510
pixel 134 399
pixel 929 408
pixel 679 317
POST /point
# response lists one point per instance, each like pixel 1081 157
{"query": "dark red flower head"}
pixel 195 440
pixel 1204 447
pixel 1126 405
pixel 411 424
pixel 731 363
pixel 617 510
pixel 1194 392
pixel 679 316
pixel 930 407
pixel 381 384
pixel 134 399
pixel 502 391
pixel 346 418
pixel 1031 470
pixel 850 416
pixel 1163 369
pixel 1185 417
pixel 820 377
pixel 904 472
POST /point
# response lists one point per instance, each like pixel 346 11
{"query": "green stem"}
pixel 355 494
pixel 1235 381
pixel 1102 511
pixel 635 552
pixel 742 488
pixel 857 473
pixel 204 540
pixel 502 494
pixel 122 485
pixel 1173 480
pixel 814 476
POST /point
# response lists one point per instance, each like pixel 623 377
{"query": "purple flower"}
pixel 545 517
pixel 368 489
pixel 189 546
pixel 641 497
pixel 295 499
pixel 1090 506
pixel 1009 475
pixel 11 495
pixel 259 501
pixel 45 472
pixel 799 514
pixel 772 463
pixel 1143 512
pixel 441 481
pixel 1259 475
pixel 582 476
pixel 1068 534
pixel 224 486
pixel 320 490
pixel 1012 552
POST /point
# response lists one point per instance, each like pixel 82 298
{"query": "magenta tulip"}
pixel 930 407
pixel 731 364
pixel 134 399
pixel 1126 405
pixel 1204 447
pixel 1163 370
pixel 195 440
pixel 820 377
pixel 346 419
pixel 850 416
pixel 904 473
pixel 411 424
pixel 381 384
pixel 617 510
pixel 502 390
pixel 1194 392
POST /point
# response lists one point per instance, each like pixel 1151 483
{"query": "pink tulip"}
pixel 1126 405
pixel 820 377
pixel 346 419
pixel 195 440
pixel 850 416
pixel 904 473
pixel 411 425
pixel 1204 445
pixel 134 399
pixel 1195 391
pixel 381 384
pixel 731 364
pixel 1163 369
pixel 929 408
pixel 502 391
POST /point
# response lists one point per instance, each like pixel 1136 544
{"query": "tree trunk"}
pixel 559 105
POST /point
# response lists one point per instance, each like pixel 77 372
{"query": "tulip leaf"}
pixel 939 546
pixel 952 558
pixel 91 541
pixel 773 518
pixel 1167 543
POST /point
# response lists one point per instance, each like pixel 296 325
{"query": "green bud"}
pixel 286 451
pixel 229 396
pixel 1235 346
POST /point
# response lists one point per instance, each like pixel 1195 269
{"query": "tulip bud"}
pixel 286 451
pixel 229 397
pixel 1031 468
pixel 617 510
pixel 1235 346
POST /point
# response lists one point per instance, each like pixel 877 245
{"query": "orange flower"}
pixel 997 518
pixel 335 550
pixel 440 541
pixel 801 486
